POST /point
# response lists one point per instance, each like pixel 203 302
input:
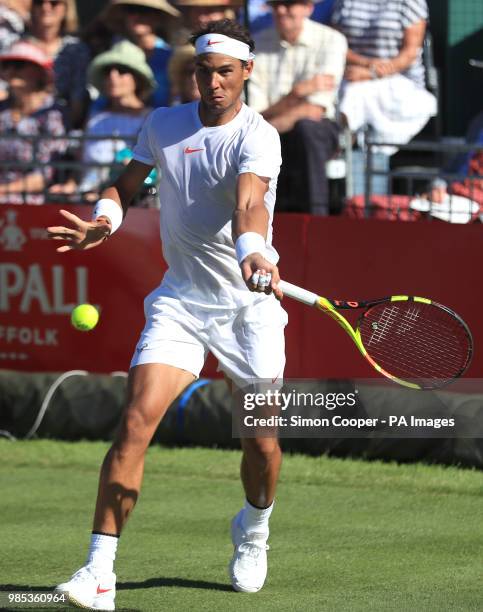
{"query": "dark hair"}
pixel 228 27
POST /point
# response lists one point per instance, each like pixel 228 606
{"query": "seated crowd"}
pixel 72 102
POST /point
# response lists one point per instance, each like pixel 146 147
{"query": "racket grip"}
pixel 297 293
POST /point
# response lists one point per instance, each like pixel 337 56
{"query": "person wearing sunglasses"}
pixel 294 85
pixel 147 24
pixel 28 112
pixel 52 28
pixel 126 81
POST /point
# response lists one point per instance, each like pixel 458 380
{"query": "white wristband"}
pixel 110 209
pixel 248 243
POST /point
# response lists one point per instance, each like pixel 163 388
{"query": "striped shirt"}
pixel 11 27
pixel 375 28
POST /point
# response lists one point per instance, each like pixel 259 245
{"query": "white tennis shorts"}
pixel 249 342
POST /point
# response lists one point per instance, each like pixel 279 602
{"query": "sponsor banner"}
pixel 340 258
pixel 39 288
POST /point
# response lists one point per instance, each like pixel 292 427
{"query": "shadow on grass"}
pixel 174 582
pixel 26 587
pixel 150 583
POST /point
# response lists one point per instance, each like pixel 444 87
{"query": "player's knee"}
pixel 262 448
pixel 136 429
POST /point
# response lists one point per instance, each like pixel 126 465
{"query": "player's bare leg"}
pixel 151 390
pixel 261 460
pixel 260 468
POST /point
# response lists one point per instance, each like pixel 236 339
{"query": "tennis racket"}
pixel 413 341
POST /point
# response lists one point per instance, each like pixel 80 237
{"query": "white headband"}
pixel 219 43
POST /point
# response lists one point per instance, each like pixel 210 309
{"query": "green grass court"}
pixel 346 535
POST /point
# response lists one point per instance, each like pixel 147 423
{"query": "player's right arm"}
pixel 259 163
pixel 83 235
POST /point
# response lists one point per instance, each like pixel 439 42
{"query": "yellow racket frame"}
pixel 327 307
pixel 332 308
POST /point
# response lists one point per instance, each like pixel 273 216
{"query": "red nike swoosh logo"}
pixel 100 591
pixel 213 42
pixel 274 380
pixel 190 150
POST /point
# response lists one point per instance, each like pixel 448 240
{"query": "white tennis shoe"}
pixel 248 567
pixel 89 590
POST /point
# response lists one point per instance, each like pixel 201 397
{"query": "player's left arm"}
pixel 250 221
pixel 83 235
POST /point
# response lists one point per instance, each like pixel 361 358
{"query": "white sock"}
pixel 102 552
pixel 255 520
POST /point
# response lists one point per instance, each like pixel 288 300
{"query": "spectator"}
pixel 51 28
pixel 140 21
pixel 125 79
pixel 13 15
pixel 97 35
pixel 197 13
pixel 299 65
pixel 470 165
pixel 28 112
pixel 472 186
pixel 260 14
pixel 181 70
pixel 385 78
pixel 441 204
pixel 474 135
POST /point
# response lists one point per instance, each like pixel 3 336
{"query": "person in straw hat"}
pixel 197 13
pixel 125 79
pixel 149 25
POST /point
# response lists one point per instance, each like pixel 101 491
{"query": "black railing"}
pixel 67 166
pixel 413 180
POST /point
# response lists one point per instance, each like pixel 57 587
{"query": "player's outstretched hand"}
pixel 82 235
pixel 260 275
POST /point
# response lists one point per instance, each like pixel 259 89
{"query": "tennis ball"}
pixel 84 317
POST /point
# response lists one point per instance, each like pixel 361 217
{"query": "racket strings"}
pixel 415 340
pixel 424 359
pixel 445 340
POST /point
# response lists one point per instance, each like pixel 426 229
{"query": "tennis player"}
pixel 219 161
